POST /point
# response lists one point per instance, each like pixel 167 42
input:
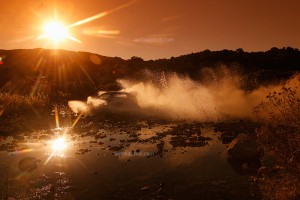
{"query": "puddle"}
pixel 124 162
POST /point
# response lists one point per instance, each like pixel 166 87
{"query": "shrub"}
pixel 280 135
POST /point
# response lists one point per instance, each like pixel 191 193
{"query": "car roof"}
pixel 112 93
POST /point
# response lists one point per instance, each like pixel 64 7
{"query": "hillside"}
pixel 63 75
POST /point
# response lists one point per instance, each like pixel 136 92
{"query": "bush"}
pixel 280 135
pixel 21 113
pixel 15 104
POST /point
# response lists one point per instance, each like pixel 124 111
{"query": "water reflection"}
pixel 59 144
pixel 117 160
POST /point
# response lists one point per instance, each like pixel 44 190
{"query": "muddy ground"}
pixel 112 157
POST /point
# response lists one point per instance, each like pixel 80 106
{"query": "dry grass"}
pixel 280 134
pixel 12 104
pixel 18 112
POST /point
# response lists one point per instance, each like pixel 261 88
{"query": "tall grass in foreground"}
pixel 11 104
pixel 280 136
pixel 17 110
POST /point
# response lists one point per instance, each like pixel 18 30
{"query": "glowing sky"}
pixel 154 28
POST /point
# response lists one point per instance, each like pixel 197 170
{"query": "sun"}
pixel 55 31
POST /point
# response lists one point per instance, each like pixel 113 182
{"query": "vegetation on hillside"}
pixel 64 75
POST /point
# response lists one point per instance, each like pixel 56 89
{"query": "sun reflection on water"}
pixel 59 144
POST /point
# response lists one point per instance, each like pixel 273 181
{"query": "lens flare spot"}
pixel 95 59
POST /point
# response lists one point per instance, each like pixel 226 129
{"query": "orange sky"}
pixel 155 28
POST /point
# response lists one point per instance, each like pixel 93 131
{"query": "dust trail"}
pixel 179 98
pixel 85 107
pixel 217 97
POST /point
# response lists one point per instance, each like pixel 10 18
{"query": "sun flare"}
pixel 59 144
pixel 56 32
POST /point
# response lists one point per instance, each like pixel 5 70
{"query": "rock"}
pixel 145 188
pixel 237 127
pixel 112 139
pixel 244 149
pixel 180 141
pixel 102 136
pixel 82 151
pixel 134 135
pixel 227 137
pixel 116 148
pixel 131 140
pixel 203 138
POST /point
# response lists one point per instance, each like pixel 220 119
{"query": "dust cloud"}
pixel 217 97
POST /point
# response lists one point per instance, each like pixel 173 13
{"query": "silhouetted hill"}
pixel 62 74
